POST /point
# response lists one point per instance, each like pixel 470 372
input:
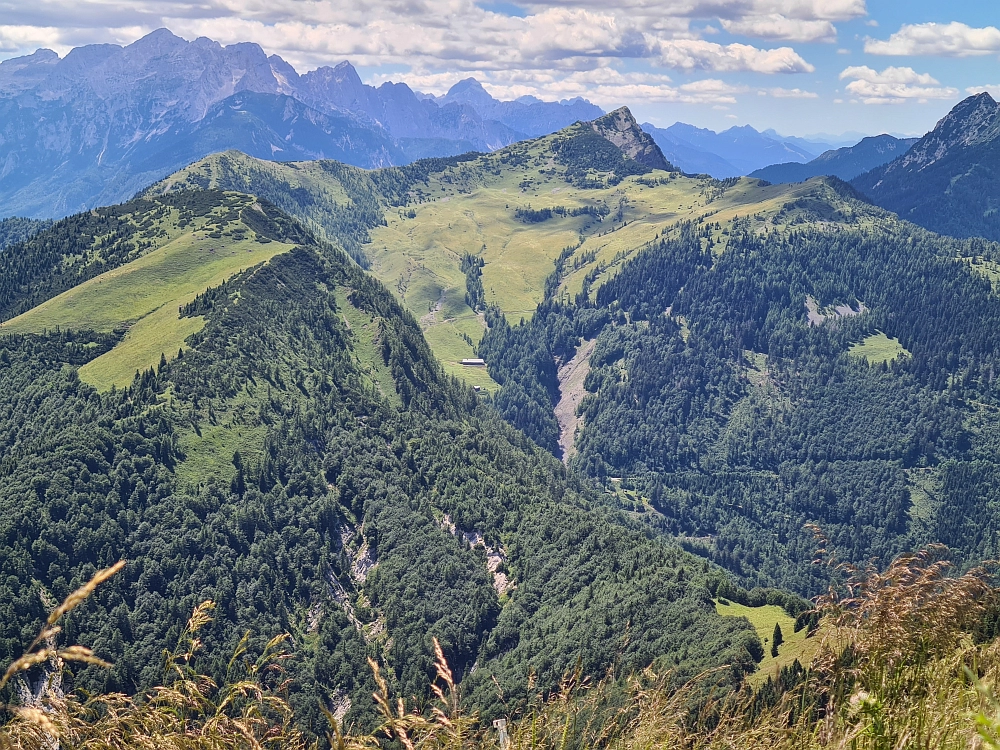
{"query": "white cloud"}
pixel 889 75
pixel 938 39
pixel 697 54
pixel 777 26
pixel 894 85
pixel 425 35
pixel 780 93
pixel 827 10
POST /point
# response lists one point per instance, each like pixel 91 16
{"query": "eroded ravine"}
pixel 571 390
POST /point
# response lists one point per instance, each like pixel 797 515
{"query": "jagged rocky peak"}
pixel 972 121
pixel 621 129
pixel 970 118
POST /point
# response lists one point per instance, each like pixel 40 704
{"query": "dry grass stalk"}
pixel 898 671
pixel 189 713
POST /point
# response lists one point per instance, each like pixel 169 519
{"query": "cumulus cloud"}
pixel 777 26
pixel 561 47
pixel 938 39
pixel 698 54
pixel 893 85
pixel 828 10
pixel 450 33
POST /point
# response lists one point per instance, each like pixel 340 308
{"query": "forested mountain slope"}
pixel 305 463
pixel 750 358
pixel 16 229
pixel 947 181
pixel 745 384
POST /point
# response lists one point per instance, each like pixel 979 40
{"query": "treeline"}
pixel 475 294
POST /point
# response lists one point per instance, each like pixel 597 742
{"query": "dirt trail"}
pixel 571 390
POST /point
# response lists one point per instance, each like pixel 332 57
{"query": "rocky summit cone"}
pixel 621 129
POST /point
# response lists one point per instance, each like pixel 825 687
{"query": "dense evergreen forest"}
pixel 739 416
pixel 306 464
pixel 15 230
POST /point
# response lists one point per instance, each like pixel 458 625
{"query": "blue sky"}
pixel 798 66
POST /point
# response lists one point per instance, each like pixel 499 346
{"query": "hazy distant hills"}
pixel 949 180
pixel 845 163
pixel 734 152
pixel 98 125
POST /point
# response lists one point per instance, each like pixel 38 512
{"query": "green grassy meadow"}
pixel 879 348
pixel 763 619
pixel 434 216
pixel 470 208
pixel 144 297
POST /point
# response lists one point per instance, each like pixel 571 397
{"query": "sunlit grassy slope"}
pixel 471 208
pixel 144 297
pixel 429 215
pixel 763 619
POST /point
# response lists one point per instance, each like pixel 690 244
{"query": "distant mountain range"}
pixel 949 180
pixel 98 125
pixel 734 152
pixel 845 163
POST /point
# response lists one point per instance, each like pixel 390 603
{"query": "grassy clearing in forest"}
pixel 365 331
pixel 763 619
pixel 879 348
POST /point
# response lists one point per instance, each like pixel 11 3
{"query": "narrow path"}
pixel 571 393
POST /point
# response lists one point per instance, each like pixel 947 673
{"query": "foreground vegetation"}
pixel 908 659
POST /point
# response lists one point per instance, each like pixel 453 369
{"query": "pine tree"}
pixel 776 639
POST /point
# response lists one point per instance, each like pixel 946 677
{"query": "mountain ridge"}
pixel 947 180
pixel 845 163
pixel 305 463
pixel 734 152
